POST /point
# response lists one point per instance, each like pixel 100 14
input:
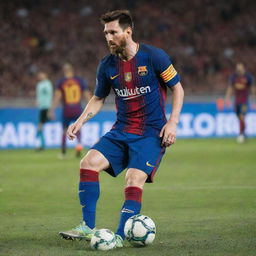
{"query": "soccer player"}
pixel 70 90
pixel 139 75
pixel 44 93
pixel 240 84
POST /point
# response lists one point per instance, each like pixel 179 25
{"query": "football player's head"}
pixel 41 75
pixel 68 70
pixel 240 68
pixel 118 27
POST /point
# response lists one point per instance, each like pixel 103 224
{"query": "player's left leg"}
pixel 79 146
pixel 42 120
pixel 143 164
pixel 241 112
pixel 134 182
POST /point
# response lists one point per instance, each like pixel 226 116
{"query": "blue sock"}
pixel 41 138
pixel 89 191
pixel 131 206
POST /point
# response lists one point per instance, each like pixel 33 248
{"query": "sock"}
pixel 242 126
pixel 131 206
pixel 63 143
pixel 89 191
pixel 41 138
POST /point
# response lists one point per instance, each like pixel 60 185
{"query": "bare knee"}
pixel 135 178
pixel 95 161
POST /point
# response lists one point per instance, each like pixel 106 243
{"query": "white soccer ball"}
pixel 103 240
pixel 140 230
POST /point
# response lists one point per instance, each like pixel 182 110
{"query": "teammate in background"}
pixel 70 90
pixel 44 93
pixel 240 84
pixel 139 74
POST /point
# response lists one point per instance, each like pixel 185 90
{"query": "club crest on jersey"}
pixel 128 76
pixel 142 70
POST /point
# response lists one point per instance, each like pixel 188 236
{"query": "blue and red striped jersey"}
pixel 241 85
pixel 140 86
pixel 72 91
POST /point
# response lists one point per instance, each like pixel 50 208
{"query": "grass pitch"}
pixel 203 202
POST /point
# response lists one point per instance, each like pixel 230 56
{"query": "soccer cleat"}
pixel 119 241
pixel 80 232
pixel 240 139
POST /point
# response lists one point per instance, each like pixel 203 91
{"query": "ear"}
pixel 129 31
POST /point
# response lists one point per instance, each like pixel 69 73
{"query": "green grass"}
pixel 203 202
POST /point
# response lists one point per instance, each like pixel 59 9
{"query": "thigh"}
pixel 43 116
pixel 115 150
pixel 94 160
pixel 146 154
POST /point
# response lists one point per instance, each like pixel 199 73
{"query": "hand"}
pixel 168 134
pixel 73 129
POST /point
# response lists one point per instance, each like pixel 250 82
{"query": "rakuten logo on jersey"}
pixel 128 94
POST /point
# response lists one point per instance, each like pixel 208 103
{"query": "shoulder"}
pixel 60 82
pixel 107 60
pixel 248 74
pixel 152 50
pixel 48 83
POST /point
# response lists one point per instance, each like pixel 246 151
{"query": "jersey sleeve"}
pixel 103 87
pixel 164 68
pixel 250 80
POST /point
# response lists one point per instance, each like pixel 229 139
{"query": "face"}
pixel 240 69
pixel 116 37
pixel 68 70
pixel 41 76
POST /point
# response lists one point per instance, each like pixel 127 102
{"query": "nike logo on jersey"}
pixel 127 210
pixel 148 164
pixel 113 77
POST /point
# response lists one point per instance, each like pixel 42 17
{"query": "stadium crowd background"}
pixel 205 39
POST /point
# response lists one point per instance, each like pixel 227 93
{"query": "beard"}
pixel 118 49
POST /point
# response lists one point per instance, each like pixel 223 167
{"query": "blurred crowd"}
pixel 205 38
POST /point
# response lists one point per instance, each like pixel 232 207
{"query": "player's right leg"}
pixel 89 192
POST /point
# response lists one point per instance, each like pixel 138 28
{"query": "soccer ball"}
pixel 140 230
pixel 103 239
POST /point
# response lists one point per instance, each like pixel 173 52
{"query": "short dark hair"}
pixel 123 16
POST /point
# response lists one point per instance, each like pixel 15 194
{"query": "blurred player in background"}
pixel 139 74
pixel 240 85
pixel 44 93
pixel 70 90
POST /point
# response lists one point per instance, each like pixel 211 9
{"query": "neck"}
pixel 129 51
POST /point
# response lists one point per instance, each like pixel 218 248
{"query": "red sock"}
pixel 88 175
pixel 242 126
pixel 133 193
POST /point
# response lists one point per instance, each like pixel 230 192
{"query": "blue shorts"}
pixel 125 150
pixel 241 109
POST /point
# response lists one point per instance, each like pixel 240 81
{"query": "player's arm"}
pixel 169 131
pixel 92 108
pixel 164 68
pixel 95 104
pixel 229 93
pixel 56 101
